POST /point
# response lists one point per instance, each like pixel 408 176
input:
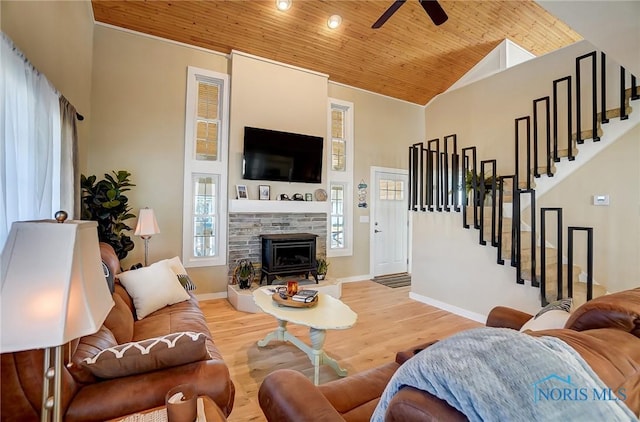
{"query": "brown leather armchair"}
pixel 604 331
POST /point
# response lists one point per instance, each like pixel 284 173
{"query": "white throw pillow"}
pixel 549 320
pixel 153 287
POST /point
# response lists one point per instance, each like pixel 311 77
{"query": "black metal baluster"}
pixel 500 260
pixel 571 230
pixel 437 170
pixel 545 101
pixel 594 98
pixel 543 254
pixel 483 193
pixel 555 118
pixel 623 108
pixel 470 166
pixel 527 120
pixel 603 88
pixel 634 88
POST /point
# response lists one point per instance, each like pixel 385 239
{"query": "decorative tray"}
pixel 293 303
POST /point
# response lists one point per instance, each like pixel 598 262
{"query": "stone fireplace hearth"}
pixel 245 230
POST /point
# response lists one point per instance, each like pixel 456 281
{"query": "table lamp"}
pixel 147 226
pixel 53 291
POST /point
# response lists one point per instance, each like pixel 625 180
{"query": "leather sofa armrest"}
pixel 288 396
pixel 410 404
pixel 503 317
pixel 405 355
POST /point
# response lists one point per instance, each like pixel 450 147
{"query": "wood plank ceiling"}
pixel 409 58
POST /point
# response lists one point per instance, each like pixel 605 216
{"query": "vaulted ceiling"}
pixel 409 58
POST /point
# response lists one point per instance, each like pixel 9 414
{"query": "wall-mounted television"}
pixel 281 156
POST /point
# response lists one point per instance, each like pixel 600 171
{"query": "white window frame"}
pixel 343 178
pixel 217 168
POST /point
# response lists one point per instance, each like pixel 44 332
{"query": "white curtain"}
pixel 31 149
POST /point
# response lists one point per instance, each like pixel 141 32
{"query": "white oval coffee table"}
pixel 329 314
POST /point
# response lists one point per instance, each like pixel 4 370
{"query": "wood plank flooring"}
pixel 388 321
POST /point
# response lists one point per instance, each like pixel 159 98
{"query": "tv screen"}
pixel 281 156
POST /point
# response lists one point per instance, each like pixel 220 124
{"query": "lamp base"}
pixel 52 380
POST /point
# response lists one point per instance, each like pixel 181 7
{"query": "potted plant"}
pixel 104 201
pixel 487 184
pixel 244 273
pixel 323 266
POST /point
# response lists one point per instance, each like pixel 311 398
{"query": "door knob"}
pixel 377 231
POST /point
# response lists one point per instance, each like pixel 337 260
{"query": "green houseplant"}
pixel 323 266
pixel 244 273
pixel 104 201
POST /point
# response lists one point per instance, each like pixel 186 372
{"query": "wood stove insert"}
pixel 286 254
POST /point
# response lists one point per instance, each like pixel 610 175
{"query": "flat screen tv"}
pixel 281 156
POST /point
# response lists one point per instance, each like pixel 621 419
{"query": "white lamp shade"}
pixel 53 285
pixel 147 224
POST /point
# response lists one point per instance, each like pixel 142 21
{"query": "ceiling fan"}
pixel 432 7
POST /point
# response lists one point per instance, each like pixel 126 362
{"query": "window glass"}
pixel 204 216
pixel 337 216
pixel 338 143
pixel 207 121
pixel 391 190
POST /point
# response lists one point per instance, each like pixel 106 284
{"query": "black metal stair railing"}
pixel 603 88
pixel 416 177
pixel 483 197
pixel 527 120
pixel 557 82
pixel 451 173
pixel 570 233
pixel 514 203
pixel 543 253
pixel 469 166
pixel 594 98
pixel 433 169
pixel 635 95
pixel 623 108
pixel 519 279
pixel 547 118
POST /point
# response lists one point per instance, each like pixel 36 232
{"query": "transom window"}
pixel 208 121
pixel 391 190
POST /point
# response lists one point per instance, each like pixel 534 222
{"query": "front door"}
pixel 389 221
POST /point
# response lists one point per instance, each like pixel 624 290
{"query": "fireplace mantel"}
pixel 284 207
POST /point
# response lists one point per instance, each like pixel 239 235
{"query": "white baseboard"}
pixel 449 308
pixel 355 278
pixel 211 296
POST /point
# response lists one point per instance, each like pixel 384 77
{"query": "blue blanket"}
pixel 498 374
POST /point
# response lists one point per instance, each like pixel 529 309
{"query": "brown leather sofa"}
pixel 87 398
pixel 604 331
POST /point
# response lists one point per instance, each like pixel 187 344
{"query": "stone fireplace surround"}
pixel 245 229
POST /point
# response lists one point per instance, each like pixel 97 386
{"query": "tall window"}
pixel 205 168
pixel 340 242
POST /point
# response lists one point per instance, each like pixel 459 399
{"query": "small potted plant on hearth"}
pixel 244 273
pixel 323 265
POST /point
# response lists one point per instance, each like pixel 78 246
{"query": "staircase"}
pixel 502 208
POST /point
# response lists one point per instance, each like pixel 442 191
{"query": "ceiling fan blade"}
pixel 435 11
pixel 387 14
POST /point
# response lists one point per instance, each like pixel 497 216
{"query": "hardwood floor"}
pixel 388 321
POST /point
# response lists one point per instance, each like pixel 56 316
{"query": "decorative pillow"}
pixel 148 355
pixel 109 277
pixel 561 305
pixel 152 288
pixel 181 273
pixel 550 320
pixel 552 316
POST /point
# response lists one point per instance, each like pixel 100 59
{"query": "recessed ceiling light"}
pixel 334 21
pixel 283 4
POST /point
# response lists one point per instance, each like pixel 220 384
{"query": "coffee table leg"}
pixel 319 357
pixel 278 334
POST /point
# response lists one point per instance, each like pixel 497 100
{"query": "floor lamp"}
pixel 53 291
pixel 147 226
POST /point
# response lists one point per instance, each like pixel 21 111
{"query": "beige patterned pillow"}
pixel 148 355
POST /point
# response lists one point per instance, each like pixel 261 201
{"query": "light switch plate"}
pixel 601 200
